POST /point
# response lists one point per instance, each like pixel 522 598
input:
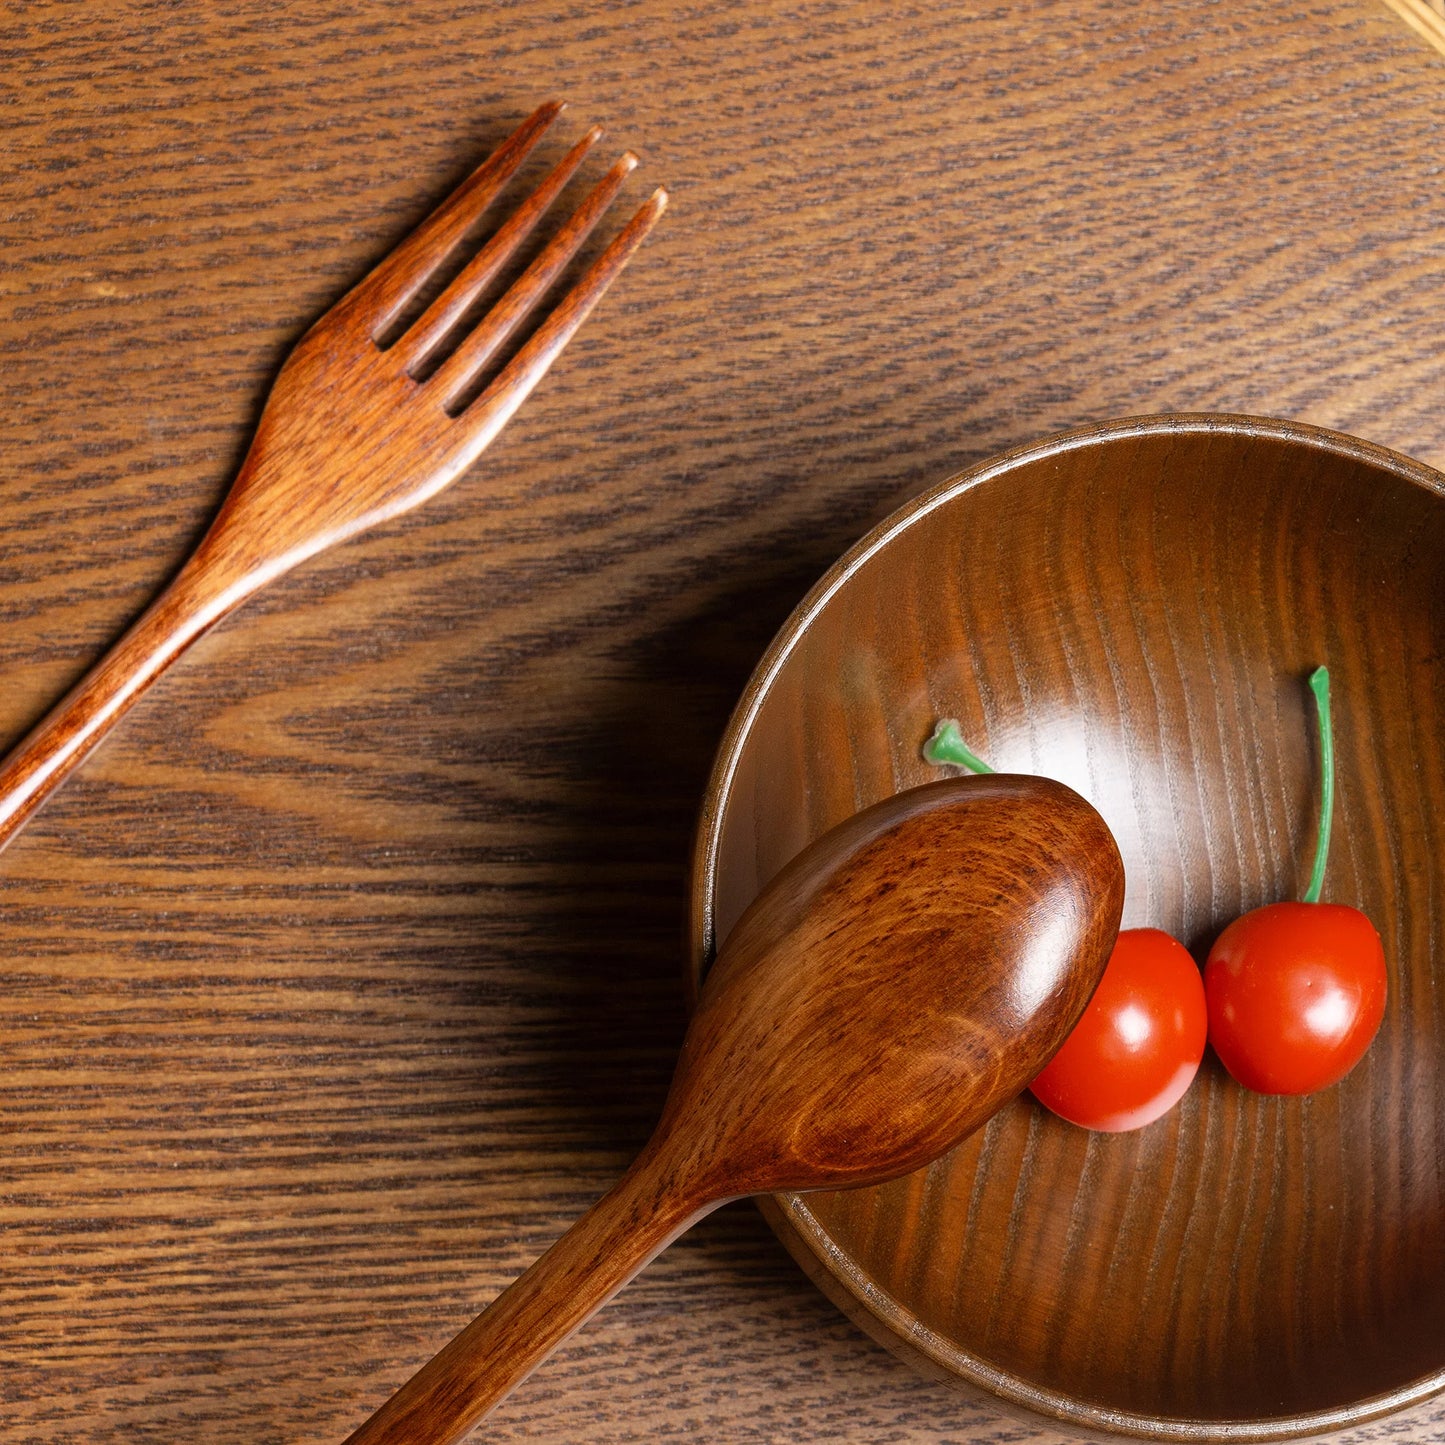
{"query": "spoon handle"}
pixel 629 1226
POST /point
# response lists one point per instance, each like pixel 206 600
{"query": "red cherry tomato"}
pixel 1138 1046
pixel 1296 993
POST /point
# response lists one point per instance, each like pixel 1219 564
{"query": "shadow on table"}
pixel 640 753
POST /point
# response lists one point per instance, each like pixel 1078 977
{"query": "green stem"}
pixel 947 746
pixel 1320 686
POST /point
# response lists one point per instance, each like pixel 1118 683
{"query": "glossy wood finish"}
pixel 1135 610
pixel 897 983
pixel 374 412
pixel 345 974
pixel 1425 17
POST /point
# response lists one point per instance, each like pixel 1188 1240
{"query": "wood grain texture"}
pixel 892 987
pixel 346 974
pixel 1135 609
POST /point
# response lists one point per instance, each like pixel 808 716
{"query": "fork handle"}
pixel 211 584
pixel 629 1226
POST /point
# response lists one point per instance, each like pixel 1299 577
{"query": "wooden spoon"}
pixel 903 978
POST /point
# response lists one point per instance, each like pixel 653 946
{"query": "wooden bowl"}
pixel 1133 609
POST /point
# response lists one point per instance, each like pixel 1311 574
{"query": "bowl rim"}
pixel 878 1312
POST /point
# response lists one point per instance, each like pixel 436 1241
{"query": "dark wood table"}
pixel 348 971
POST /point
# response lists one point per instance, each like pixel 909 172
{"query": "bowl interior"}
pixel 1134 611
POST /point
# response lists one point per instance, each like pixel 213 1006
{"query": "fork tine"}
pixel 397 278
pixel 421 339
pixel 491 411
pixel 460 369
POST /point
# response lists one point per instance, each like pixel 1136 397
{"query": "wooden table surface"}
pixel 347 972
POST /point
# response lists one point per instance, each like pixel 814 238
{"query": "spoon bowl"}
pixel 896 985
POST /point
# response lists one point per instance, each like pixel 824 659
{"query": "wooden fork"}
pixel 360 426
